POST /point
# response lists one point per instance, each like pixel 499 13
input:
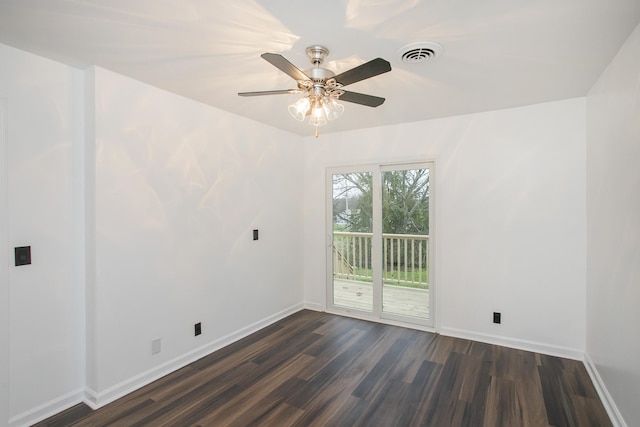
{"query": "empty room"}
pixel 389 213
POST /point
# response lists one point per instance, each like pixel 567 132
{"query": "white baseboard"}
pixel 605 397
pixel 96 400
pixel 535 347
pixel 313 306
pixel 46 410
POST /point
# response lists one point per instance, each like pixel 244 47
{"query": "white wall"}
pixel 169 190
pixel 179 188
pixel 45 306
pixel 613 233
pixel 510 218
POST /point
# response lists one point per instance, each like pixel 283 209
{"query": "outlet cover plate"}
pixel 497 317
pixel 156 346
pixel 23 255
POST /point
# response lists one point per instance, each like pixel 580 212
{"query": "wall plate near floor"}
pixel 23 255
pixel 156 346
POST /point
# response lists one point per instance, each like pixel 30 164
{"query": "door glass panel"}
pixel 352 237
pixel 405 242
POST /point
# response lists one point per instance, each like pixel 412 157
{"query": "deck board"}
pixel 396 299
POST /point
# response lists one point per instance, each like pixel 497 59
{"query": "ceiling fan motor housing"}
pixel 319 74
pixel 317 54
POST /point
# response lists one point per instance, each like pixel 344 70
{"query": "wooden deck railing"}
pixel 404 258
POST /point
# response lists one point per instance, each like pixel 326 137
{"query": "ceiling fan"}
pixel 322 88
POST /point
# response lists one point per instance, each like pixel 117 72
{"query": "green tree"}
pixel 352 201
pixel 405 201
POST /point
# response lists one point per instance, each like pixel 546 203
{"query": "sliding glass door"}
pixel 380 244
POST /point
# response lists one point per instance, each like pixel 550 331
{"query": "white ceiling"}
pixel 497 53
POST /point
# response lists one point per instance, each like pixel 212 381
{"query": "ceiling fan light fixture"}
pixel 333 109
pixel 318 116
pixel 300 108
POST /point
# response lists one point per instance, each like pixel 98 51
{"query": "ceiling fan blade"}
pixel 283 64
pixel 270 92
pixel 370 69
pixel 361 98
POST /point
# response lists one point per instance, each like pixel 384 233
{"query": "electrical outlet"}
pixel 497 317
pixel 23 255
pixel 255 234
pixel 197 329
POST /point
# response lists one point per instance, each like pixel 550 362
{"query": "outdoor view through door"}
pixel 380 247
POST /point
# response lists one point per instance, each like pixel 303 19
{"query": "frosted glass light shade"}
pixel 332 108
pixel 300 108
pixel 318 115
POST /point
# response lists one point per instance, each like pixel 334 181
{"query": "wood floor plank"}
pixel 423 389
pixel 328 403
pixel 444 401
pixel 501 406
pixel 317 369
pixel 254 396
pixel 282 415
pixel 322 359
pixel 530 395
pixel 416 352
pixel 378 374
pixel 67 417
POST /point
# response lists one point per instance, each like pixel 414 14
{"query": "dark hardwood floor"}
pixel 316 369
